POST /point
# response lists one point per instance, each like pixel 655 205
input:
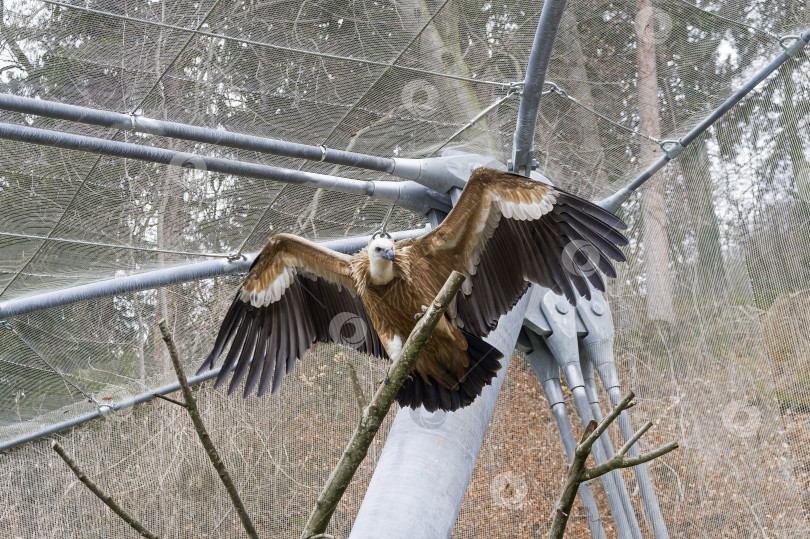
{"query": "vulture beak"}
pixel 389 254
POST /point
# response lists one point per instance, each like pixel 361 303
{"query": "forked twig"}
pixel 578 472
pixel 205 439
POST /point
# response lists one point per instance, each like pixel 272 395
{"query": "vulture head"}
pixel 381 258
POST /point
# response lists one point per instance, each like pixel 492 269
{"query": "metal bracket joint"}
pixel 792 44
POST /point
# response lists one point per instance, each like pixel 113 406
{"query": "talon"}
pixel 418 315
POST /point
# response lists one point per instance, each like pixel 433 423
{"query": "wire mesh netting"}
pixel 710 308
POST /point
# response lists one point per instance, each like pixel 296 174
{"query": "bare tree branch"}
pixel 164 397
pixel 578 472
pixel 13 46
pixel 358 390
pixel 376 411
pixel 626 462
pixel 626 447
pixel 103 496
pixel 584 447
pixel 205 439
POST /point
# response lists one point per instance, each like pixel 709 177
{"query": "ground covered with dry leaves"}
pixel 743 469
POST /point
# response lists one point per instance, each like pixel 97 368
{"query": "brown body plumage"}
pixel 504 232
pixel 391 309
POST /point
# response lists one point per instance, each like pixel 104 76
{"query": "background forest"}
pixel 711 309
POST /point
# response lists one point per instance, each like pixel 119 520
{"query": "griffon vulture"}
pixel 505 232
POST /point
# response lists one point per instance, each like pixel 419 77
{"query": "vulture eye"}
pixel 378 249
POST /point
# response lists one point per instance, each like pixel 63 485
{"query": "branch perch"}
pixel 358 390
pixel 376 411
pixel 205 439
pixel 103 496
pixel 578 472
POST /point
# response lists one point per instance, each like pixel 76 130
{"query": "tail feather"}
pixel 430 397
pixel 484 366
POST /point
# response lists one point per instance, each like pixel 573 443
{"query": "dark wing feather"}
pixel 260 357
pixel 289 300
pixel 507 231
pixel 246 356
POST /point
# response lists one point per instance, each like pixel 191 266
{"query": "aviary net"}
pixel 711 308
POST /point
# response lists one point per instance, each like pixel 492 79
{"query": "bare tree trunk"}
pixel 711 274
pixel 710 277
pixel 141 350
pixel 169 219
pixel 440 42
pixel 655 238
pixel 793 139
pixel 165 235
pixel 569 46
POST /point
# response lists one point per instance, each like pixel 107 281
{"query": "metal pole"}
pixel 407 194
pixel 142 124
pixel 420 480
pixel 614 201
pixel 162 277
pixel 562 341
pixel 548 372
pixel 105 411
pixel 533 85
pixel 596 351
pixel 438 173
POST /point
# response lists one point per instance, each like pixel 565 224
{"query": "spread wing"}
pixel 296 293
pixel 507 231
